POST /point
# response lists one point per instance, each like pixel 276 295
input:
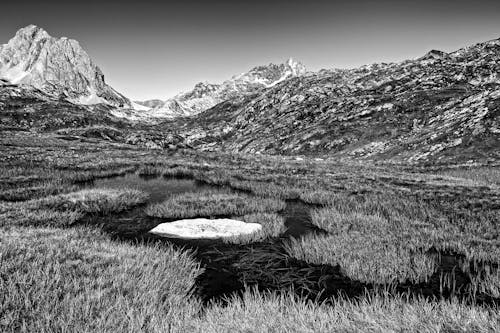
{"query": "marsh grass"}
pixel 266 189
pixel 364 258
pixel 80 281
pixel 90 175
pixel 378 312
pixel 97 200
pixel 77 280
pixel 213 204
pixel 35 190
pixel 66 209
pixel 72 280
pixel 150 170
pixel 383 238
pixel 179 172
pixel 481 175
pixel 487 283
pixel 273 225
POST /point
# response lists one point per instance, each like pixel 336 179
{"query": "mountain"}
pixel 205 95
pixel 442 106
pixel 25 108
pixel 57 66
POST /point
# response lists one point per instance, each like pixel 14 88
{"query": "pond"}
pixel 229 267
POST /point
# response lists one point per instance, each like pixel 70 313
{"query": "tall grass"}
pixel 66 209
pixel 481 175
pixel 383 237
pixel 77 280
pixel 35 190
pixel 213 203
pixel 284 312
pixel 89 175
pixel 273 225
pixel 364 258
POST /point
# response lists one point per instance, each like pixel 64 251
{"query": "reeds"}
pixel 213 204
pixel 66 209
pixel 273 225
pixel 77 280
pixel 377 312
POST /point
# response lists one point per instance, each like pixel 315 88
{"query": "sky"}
pixel 156 49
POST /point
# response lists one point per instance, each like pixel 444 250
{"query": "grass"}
pixel 150 170
pixel 90 175
pixel 273 225
pixel 178 172
pixel 381 217
pixel 35 190
pixel 481 175
pixel 284 312
pixel 384 238
pixel 212 204
pixel 77 280
pixel 364 258
pixel 66 209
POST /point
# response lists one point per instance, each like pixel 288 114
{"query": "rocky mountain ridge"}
pixel 205 95
pixel 437 107
pixel 441 107
pixel 57 66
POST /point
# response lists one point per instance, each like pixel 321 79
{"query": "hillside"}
pixel 442 106
pixel 205 95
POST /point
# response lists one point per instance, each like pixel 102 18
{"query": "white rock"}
pixel 205 228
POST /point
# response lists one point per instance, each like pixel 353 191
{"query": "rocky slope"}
pixel 24 108
pixel 57 66
pixel 442 106
pixel 205 95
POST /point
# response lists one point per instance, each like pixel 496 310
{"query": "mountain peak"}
pixel 297 67
pixel 29 29
pixel 434 54
pixel 57 66
pixel 32 32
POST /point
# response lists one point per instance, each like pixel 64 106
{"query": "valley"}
pixel 375 192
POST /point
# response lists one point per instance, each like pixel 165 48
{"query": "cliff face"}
pixel 57 66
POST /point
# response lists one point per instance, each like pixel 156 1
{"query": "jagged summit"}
pixel 434 54
pixel 57 66
pixel 205 95
pixel 32 30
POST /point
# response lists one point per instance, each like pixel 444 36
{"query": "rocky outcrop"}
pixel 205 229
pixel 57 66
pixel 205 95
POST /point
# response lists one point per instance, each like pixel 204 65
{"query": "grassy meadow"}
pixel 381 225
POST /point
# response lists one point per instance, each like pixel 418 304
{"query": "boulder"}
pixel 205 228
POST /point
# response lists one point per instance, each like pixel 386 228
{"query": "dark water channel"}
pixel 229 267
